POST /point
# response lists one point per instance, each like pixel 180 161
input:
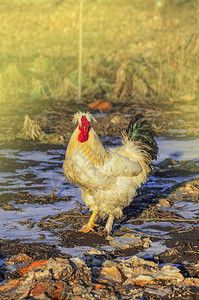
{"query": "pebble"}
pixel 169 273
pixel 163 203
pixel 191 282
pixel 20 258
pixel 139 280
pixel 111 273
pixel 126 241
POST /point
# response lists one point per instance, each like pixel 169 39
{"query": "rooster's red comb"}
pixel 84 121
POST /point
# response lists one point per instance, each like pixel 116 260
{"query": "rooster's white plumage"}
pixel 109 177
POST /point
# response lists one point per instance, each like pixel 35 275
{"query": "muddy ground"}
pixel 155 219
pixel 170 118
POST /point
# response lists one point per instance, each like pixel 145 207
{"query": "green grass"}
pixel 130 49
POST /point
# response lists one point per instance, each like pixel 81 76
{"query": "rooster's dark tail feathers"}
pixel 141 130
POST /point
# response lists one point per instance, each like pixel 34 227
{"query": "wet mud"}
pixel 183 245
pixel 37 251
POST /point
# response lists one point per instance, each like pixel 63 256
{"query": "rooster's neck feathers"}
pixel 93 149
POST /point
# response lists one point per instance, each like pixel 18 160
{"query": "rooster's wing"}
pixel 102 177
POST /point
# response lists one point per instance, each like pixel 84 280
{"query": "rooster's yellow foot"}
pixel 87 228
pixel 91 224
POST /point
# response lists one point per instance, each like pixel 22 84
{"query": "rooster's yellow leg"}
pixel 91 224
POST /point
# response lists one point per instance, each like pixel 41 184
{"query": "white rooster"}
pixel 109 177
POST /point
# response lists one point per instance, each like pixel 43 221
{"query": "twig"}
pixel 53 192
pixel 59 219
pixel 148 234
pixel 157 219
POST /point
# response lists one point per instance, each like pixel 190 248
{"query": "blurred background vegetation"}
pixel 131 48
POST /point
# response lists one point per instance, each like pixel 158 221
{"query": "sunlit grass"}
pixel 130 48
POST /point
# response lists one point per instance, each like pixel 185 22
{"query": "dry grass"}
pixel 31 129
pixel 129 49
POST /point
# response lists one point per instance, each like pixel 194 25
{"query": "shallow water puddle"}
pixel 10 228
pixel 31 170
pixel 38 172
pixel 179 149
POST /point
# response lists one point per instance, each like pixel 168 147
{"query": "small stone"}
pixel 139 280
pixel 39 289
pixel 193 269
pixel 127 271
pixel 169 273
pixel 99 286
pixel 109 263
pixel 146 245
pixel 82 268
pixel 167 162
pixel 163 203
pixel 111 273
pixel 191 282
pixel 109 238
pixel 42 274
pixel 26 285
pixel 10 285
pixel 78 289
pixel 143 274
pixel 56 293
pixel 125 241
pixel 95 251
pixel 135 266
pixel 147 242
pixel 8 207
pixel 20 258
pixel 135 261
pixel 125 247
pixel 78 262
pixel 35 264
pixel 61 268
